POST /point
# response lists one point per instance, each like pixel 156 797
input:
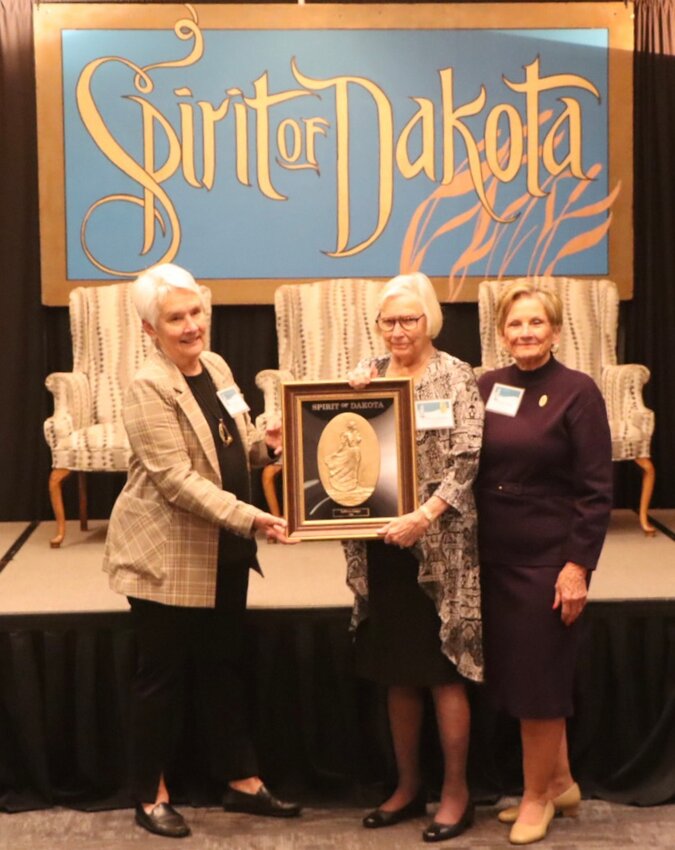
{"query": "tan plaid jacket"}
pixel 162 541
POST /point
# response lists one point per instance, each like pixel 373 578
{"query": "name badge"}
pixel 505 399
pixel 233 401
pixel 434 413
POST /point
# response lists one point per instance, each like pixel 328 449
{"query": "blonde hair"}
pixel 152 286
pixel 420 287
pixel 549 300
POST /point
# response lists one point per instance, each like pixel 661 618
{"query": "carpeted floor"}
pixel 38 579
pixel 600 826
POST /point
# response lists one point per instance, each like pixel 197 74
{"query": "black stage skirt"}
pixel 530 654
pixel 399 643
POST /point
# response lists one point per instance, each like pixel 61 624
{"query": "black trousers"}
pixel 199 646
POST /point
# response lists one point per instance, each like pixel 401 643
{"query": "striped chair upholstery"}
pixel 86 433
pixel 323 330
pixel 588 343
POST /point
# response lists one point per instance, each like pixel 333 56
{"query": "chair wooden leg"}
pixel 82 490
pixel 648 478
pixel 56 478
pixel 269 473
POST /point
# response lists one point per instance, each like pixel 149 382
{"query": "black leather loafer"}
pixel 379 818
pixel 162 820
pixel 442 831
pixel 263 803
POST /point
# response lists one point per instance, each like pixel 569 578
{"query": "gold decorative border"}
pixel 295 394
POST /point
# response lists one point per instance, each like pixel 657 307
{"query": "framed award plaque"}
pixel 349 457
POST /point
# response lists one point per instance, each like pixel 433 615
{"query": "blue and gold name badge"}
pixel 233 401
pixel 505 399
pixel 434 413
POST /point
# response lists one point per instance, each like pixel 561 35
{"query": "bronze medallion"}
pixel 348 458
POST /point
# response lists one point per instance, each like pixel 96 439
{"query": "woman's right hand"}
pixel 275 528
pixel 361 376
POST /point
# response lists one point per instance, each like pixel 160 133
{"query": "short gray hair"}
pixel 420 287
pixel 152 286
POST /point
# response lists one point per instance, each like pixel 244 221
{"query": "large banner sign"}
pixel 258 144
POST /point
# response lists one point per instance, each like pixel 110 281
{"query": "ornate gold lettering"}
pixel 572 117
pixel 385 148
pixel 515 149
pixel 187 132
pixel 110 148
pixel 210 117
pixel 146 176
pixel 261 104
pixel 532 87
pixel 301 142
pixel 414 151
pixel 314 127
pixel 424 117
pixel 296 139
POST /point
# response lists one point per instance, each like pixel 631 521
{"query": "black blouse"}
pixel 232 548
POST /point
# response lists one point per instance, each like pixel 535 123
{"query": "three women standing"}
pixel 180 547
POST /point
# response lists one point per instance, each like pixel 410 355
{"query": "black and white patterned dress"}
pixel 445 560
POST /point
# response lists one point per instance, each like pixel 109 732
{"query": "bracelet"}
pixel 426 513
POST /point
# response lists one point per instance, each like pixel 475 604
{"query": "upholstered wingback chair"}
pixel 323 330
pixel 86 433
pixel 588 343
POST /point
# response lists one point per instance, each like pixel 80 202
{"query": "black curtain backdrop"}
pixel 36 339
pixel 650 316
pixel 320 733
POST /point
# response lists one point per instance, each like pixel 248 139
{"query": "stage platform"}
pixel 67 655
pixel 38 580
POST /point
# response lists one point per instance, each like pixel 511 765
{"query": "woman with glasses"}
pixel 417 591
pixel 180 545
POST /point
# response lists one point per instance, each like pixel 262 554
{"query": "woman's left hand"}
pixel 571 592
pixel 273 435
pixel 406 530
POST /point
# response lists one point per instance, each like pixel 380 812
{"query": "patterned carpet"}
pixel 600 826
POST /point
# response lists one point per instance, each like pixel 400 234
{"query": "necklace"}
pixel 210 402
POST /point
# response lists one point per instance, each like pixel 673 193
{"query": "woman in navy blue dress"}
pixel 544 495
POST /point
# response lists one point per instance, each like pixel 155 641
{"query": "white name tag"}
pixel 434 413
pixel 233 401
pixel 505 399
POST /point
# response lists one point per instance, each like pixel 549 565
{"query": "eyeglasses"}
pixel 408 323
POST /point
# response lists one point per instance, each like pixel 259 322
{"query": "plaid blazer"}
pixel 162 541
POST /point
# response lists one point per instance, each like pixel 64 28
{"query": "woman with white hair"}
pixel 180 545
pixel 417 593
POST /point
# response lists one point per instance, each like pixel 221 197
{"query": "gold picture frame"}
pixel 349 463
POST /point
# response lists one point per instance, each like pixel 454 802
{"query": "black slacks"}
pixel 178 645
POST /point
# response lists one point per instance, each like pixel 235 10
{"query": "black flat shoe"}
pixel 261 803
pixel 442 831
pixel 414 809
pixel 162 820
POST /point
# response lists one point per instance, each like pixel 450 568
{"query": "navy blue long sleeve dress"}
pixel 544 496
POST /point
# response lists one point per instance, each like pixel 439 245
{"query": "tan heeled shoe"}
pixel 565 804
pixel 525 833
